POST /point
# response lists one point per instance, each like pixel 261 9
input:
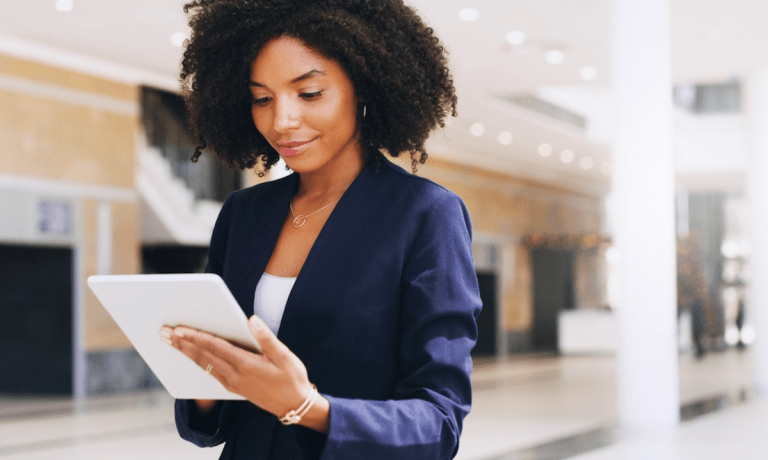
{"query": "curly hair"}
pixel 396 64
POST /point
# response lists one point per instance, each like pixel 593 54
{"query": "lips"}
pixel 292 148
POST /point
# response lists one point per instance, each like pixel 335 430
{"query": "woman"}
pixel 362 270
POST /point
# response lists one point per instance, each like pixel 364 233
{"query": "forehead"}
pixel 283 59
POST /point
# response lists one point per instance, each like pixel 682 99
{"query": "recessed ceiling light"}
pixel 505 138
pixel 477 129
pixel 567 156
pixel 605 168
pixel 555 57
pixel 64 5
pixel 515 37
pixel 545 150
pixel 469 14
pixel 178 38
pixel 588 73
pixel 586 163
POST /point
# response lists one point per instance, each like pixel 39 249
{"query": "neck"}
pixel 329 184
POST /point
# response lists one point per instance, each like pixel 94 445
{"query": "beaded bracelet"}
pixel 294 416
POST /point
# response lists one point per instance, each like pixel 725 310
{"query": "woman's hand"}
pixel 275 380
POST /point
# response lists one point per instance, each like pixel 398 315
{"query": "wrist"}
pixel 313 412
pixel 318 417
pixel 294 416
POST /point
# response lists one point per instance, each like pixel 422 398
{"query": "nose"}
pixel 287 116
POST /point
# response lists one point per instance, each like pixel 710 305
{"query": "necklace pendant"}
pixel 299 221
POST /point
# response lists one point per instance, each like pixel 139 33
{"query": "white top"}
pixel 271 296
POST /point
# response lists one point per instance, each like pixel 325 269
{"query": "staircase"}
pixel 170 212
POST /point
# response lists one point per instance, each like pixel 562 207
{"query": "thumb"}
pixel 271 347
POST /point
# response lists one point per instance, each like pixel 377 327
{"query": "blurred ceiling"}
pixel 712 41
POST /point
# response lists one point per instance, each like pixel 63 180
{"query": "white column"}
pixel 755 97
pixel 643 182
pixel 79 356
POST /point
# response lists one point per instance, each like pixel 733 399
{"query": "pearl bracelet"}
pixel 293 417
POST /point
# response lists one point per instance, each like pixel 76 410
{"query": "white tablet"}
pixel 142 304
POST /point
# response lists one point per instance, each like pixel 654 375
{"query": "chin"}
pixel 297 165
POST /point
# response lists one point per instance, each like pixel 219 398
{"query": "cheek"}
pixel 339 118
pixel 261 120
pixel 319 118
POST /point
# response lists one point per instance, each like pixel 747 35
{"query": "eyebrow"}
pixel 310 74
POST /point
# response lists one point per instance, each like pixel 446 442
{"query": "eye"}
pixel 260 101
pixel 311 96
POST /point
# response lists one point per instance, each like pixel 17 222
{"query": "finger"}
pixel 196 344
pixel 166 334
pixel 271 346
pixel 207 341
pixel 213 344
pixel 230 361
pixel 216 367
pixel 230 364
pixel 205 349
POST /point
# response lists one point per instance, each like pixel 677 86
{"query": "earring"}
pixel 364 109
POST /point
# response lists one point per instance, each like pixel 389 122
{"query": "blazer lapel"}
pixel 266 222
pixel 327 252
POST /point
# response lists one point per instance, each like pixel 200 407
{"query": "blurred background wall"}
pixel 67 156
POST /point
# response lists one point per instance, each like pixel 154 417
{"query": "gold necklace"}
pixel 301 219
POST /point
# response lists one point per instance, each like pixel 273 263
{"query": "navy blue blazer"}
pixel 383 315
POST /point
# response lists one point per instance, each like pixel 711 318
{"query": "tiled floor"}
pixel 525 408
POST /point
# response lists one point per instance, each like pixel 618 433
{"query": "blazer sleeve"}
pixel 439 306
pixel 210 429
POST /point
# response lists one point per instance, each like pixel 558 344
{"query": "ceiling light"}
pixel 515 37
pixel 588 73
pixel 567 156
pixel 178 38
pixel 477 129
pixel 748 334
pixel 469 14
pixel 545 150
pixel 505 138
pixel 605 168
pixel 555 57
pixel 586 163
pixel 64 5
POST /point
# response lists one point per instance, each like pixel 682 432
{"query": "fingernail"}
pixel 165 336
pixel 178 332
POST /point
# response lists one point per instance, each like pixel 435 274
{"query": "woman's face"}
pixel 304 105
